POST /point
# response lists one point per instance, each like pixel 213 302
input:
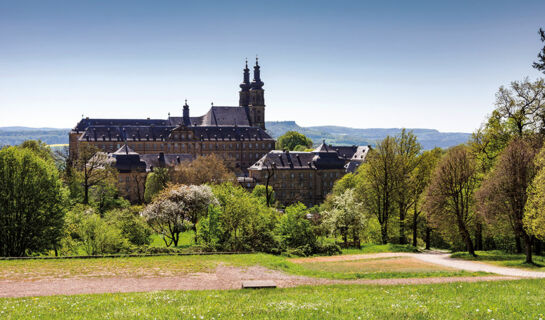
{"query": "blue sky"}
pixel 363 64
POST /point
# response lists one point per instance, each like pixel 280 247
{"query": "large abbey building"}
pixel 234 133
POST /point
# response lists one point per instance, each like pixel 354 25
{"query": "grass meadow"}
pixel 483 300
pixel 503 259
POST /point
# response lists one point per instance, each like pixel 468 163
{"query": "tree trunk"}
pixel 466 237
pixel 537 247
pixel 528 248
pixel 518 245
pixel 428 238
pixel 402 215
pixel 86 194
pixel 415 227
pixel 479 236
pixel 356 238
pixel 345 238
pixel 384 233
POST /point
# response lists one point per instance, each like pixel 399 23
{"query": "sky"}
pixel 363 64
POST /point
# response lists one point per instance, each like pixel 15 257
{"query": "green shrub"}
pixel 294 229
pixel 99 237
pixel 133 227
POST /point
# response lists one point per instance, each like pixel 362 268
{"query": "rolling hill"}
pixel 429 138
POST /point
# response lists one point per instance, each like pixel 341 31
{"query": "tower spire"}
pixel 186 119
pixel 244 94
pixel 257 83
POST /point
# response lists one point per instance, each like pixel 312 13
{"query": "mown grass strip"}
pixel 484 300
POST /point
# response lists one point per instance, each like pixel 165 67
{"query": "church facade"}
pixel 236 134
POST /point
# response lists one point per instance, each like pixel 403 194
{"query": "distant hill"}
pixel 429 138
pixel 16 135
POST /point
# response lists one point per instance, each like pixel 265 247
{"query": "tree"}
pixel 540 63
pixel 266 193
pixel 377 183
pixel 522 106
pixel 104 195
pixel 295 230
pixel 419 180
pixel 99 237
pixel 534 219
pixel 450 196
pixel 93 168
pixel 503 194
pixel 291 140
pixel 346 216
pixel 131 224
pixel 204 169
pixel 155 182
pixel 246 222
pixel 32 203
pixel 407 151
pixel 177 209
pixel 41 149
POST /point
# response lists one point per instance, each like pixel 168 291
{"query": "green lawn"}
pixel 501 258
pixel 187 239
pixel 485 300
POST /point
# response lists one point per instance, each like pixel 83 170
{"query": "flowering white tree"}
pixel 346 216
pixel 177 209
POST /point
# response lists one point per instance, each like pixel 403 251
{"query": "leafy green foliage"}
pixel 156 181
pixel 246 221
pixel 32 202
pixel 133 227
pixel 295 230
pixel 99 237
pixel 292 140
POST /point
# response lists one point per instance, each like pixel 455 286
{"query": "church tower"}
pixel 244 93
pixel 257 99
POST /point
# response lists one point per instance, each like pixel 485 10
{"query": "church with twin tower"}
pixel 236 134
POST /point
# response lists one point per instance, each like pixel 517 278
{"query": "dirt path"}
pixel 223 278
pixel 226 277
pixel 442 259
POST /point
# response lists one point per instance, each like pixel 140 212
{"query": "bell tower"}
pixel 257 99
pixel 244 93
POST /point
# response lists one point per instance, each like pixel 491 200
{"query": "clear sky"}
pixel 365 64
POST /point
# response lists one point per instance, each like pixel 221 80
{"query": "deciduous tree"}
pixel 346 216
pixel 32 202
pixel 450 196
pixel 503 194
pixel 177 209
pixel 291 140
pixel 377 183
pixel 204 169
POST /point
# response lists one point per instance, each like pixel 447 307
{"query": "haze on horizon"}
pixel 358 64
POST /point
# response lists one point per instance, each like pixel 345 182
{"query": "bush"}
pixel 328 249
pixel 133 227
pixel 294 229
pixel 99 237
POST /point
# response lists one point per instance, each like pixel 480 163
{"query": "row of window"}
pixel 188 146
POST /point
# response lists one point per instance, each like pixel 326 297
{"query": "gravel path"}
pixel 445 260
pixel 442 259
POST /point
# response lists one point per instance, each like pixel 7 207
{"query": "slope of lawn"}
pixel 483 300
pixel 504 259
